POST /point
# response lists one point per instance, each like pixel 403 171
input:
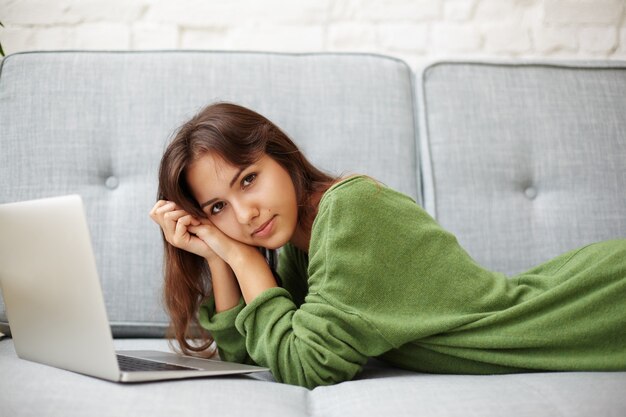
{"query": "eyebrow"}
pixel 232 182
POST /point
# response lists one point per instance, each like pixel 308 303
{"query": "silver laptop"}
pixel 55 305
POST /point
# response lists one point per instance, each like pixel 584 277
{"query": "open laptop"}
pixel 55 305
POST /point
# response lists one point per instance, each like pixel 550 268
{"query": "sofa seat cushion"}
pixel 37 390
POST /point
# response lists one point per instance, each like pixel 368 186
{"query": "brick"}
pixel 194 13
pixel 344 10
pixel 450 37
pixel 620 51
pixel 554 39
pixel 275 37
pixel 403 37
pixel 582 11
pixel 103 36
pixel 19 39
pixel 393 10
pixel 351 37
pixel 205 39
pixel 232 13
pixel 38 12
pixel 458 10
pixel 598 39
pixel 16 39
pixel 306 12
pixel 284 38
pixel 497 10
pixel 506 38
pixel 147 35
pixel 112 10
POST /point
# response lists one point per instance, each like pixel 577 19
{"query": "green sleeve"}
pixel 230 343
pixel 316 344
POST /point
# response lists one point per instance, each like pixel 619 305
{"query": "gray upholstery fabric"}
pixel 378 391
pixel 526 160
pixel 96 123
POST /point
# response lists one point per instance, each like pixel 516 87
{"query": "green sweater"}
pixel 383 279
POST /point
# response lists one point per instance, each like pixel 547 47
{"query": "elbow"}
pixel 313 375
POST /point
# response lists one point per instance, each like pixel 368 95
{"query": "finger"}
pixel 181 233
pixel 158 212
pixel 205 220
pixel 186 220
pixel 170 219
pixel 160 203
pixel 156 206
pixel 168 206
pixel 197 229
pixel 174 215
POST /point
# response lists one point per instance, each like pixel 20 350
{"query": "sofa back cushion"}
pixel 525 161
pixel 96 124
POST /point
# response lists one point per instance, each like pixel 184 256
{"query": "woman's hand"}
pixel 227 248
pixel 175 223
pixel 198 236
pixel 201 237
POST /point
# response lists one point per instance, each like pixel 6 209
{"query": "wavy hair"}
pixel 240 136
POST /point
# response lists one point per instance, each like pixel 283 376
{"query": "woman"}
pixel 363 271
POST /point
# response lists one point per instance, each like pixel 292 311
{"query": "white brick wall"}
pixel 415 30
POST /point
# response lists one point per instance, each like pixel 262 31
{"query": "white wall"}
pixel 415 30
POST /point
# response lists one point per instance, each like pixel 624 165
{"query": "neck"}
pixel 301 238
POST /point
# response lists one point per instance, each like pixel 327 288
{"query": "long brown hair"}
pixel 240 136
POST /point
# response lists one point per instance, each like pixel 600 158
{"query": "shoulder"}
pixel 355 237
pixel 360 211
pixel 360 187
pixel 360 196
pixel 364 215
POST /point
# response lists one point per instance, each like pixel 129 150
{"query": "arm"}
pixel 250 268
pixel 216 314
pixel 318 344
pixel 178 228
pixel 225 287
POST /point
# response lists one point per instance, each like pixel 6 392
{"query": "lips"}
pixel 265 228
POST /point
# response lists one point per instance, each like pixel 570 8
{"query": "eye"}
pixel 248 180
pixel 217 208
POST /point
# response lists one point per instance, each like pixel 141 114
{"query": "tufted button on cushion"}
pixel 111 182
pixel 530 193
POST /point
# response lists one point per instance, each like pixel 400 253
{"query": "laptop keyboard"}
pixel 131 364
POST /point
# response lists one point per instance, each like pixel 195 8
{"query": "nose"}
pixel 245 212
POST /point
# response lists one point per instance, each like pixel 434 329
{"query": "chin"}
pixel 274 246
pixel 275 242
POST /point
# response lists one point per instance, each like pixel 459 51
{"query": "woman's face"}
pixel 255 205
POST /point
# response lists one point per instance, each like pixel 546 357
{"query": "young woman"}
pixel 363 271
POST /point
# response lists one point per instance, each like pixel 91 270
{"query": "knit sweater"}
pixel 383 279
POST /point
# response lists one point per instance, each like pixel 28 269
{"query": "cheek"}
pixel 228 225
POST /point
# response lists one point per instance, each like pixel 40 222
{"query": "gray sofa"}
pixel 521 160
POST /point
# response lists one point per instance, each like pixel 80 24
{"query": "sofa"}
pixel 520 160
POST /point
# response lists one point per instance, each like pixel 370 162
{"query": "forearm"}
pixel 226 289
pixel 253 274
pixel 227 301
pixel 315 344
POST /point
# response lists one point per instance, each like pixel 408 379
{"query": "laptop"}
pixel 55 304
